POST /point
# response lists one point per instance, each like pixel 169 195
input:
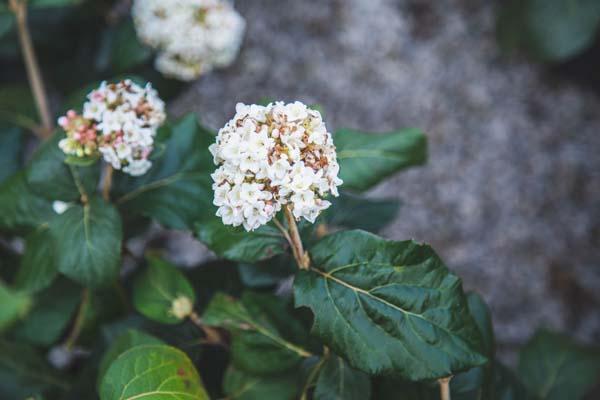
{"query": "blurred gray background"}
pixel 510 197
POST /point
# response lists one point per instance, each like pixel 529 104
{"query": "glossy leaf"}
pixel 155 290
pixel 176 191
pixel 388 307
pixel 126 341
pixel 22 209
pixel 366 159
pixel 13 306
pixel 38 265
pixel 337 380
pixel 152 371
pixel 87 242
pixel 264 336
pixel 234 243
pixel 554 367
pixel 240 385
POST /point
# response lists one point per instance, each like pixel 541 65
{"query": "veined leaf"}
pixel 13 305
pixel 240 385
pixel 388 307
pixel 157 288
pixel 87 242
pixel 38 265
pixel 554 367
pixel 264 337
pixel 22 209
pixel 339 381
pixel 152 372
pixel 366 159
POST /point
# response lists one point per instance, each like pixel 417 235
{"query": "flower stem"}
pixel 300 255
pixel 212 335
pixel 107 182
pixel 19 8
pixel 444 388
pixel 79 319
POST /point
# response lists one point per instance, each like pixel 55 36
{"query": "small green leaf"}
pixel 176 191
pixel 22 209
pixel 339 381
pixel 388 307
pixel 240 385
pixel 126 50
pixel 358 212
pixel 235 244
pixel 127 340
pixel 50 177
pixel 52 310
pixel 554 367
pixel 366 159
pixel 11 141
pixel 152 372
pixel 87 242
pixel 156 290
pixel 38 265
pixel 13 306
pixel 264 337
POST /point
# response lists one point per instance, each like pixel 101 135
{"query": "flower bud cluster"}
pixel 192 36
pixel 273 156
pixel 119 122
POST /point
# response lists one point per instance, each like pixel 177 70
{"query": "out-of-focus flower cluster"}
pixel 119 122
pixel 272 156
pixel 192 36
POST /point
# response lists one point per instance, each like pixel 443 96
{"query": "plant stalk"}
pixel 300 255
pixel 79 319
pixel 212 335
pixel 445 388
pixel 19 8
pixel 107 182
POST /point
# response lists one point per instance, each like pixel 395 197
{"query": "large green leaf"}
pixel 234 243
pixel 50 177
pixel 24 373
pixel 358 212
pixel 264 335
pixel 337 380
pixel 549 30
pixel 554 367
pixel 152 372
pixel 53 309
pixel 389 307
pixel 20 208
pixel 157 288
pixel 366 159
pixel 13 306
pixel 127 340
pixel 240 385
pixel 38 265
pixel 11 141
pixel 87 242
pixel 176 191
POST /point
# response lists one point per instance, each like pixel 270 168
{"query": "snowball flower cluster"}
pixel 272 156
pixel 119 122
pixel 192 36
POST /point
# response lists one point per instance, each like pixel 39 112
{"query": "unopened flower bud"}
pixel 182 307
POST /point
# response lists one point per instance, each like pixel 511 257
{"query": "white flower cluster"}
pixel 272 156
pixel 119 122
pixel 192 36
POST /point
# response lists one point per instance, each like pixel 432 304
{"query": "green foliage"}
pixel 549 30
pixel 240 385
pixel 366 159
pixel 339 381
pixel 14 306
pixel 11 141
pixel 152 370
pixel 38 265
pixel 358 212
pixel 22 209
pixel 388 307
pixel 157 288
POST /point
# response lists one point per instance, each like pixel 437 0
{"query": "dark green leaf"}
pixel 21 208
pixel 11 141
pixel 152 371
pixel 38 265
pixel 267 273
pixel 49 176
pixel 14 305
pixel 53 3
pixel 389 307
pixel 264 337
pixel 51 313
pixel 339 381
pixel 127 340
pixel 17 106
pixel 549 30
pixel 554 367
pixel 357 212
pixel 7 21
pixel 126 50
pixel 506 385
pixel 176 191
pixel 87 242
pixel 157 288
pixel 240 385
pixel 386 388
pixel 366 159
pixel 234 243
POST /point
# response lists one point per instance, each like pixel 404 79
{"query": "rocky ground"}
pixel 510 196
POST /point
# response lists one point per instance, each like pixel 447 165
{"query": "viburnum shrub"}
pixel 302 299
